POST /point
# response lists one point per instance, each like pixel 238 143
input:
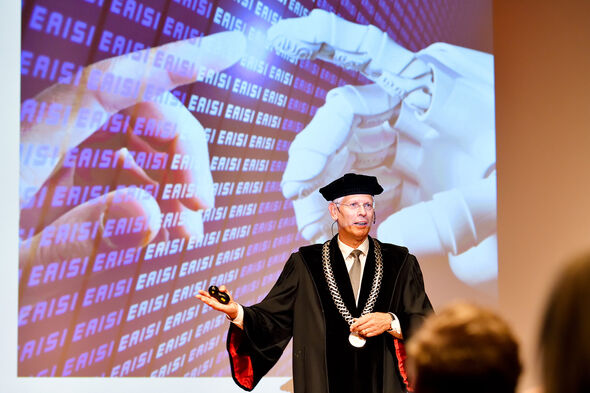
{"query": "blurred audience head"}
pixel 464 348
pixel 564 339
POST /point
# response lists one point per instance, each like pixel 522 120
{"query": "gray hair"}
pixel 339 200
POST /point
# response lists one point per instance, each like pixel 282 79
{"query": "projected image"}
pixel 167 146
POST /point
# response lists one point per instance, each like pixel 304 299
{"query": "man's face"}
pixel 354 214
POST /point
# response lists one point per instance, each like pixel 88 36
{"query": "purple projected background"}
pixel 97 308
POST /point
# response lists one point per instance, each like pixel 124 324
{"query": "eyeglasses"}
pixel 357 206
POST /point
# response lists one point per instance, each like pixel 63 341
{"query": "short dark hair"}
pixel 464 348
pixel 564 339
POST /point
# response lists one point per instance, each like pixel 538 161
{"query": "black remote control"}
pixel 221 297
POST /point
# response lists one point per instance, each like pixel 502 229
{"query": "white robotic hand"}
pixel 325 36
pixel 425 128
pixel 350 132
pixel 353 130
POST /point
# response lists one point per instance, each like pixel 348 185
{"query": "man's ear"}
pixel 333 211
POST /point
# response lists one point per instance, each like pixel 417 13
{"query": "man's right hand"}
pixel 230 309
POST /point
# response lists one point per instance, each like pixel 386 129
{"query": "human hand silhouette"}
pixel 114 159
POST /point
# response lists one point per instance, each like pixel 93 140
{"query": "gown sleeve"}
pixel 414 304
pixel 412 308
pixel 268 328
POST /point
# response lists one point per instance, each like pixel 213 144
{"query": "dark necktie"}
pixel 355 273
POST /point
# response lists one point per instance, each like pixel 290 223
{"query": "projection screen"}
pixel 170 145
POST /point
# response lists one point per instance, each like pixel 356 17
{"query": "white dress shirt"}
pixel 346 251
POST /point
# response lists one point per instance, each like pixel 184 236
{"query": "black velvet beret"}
pixel 351 184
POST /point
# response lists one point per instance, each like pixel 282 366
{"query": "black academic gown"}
pixel 299 306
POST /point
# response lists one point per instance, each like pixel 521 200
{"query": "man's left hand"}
pixel 372 324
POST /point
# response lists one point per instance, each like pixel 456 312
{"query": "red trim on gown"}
pixel 242 364
pixel 400 354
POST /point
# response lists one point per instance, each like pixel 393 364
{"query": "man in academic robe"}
pixel 348 304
